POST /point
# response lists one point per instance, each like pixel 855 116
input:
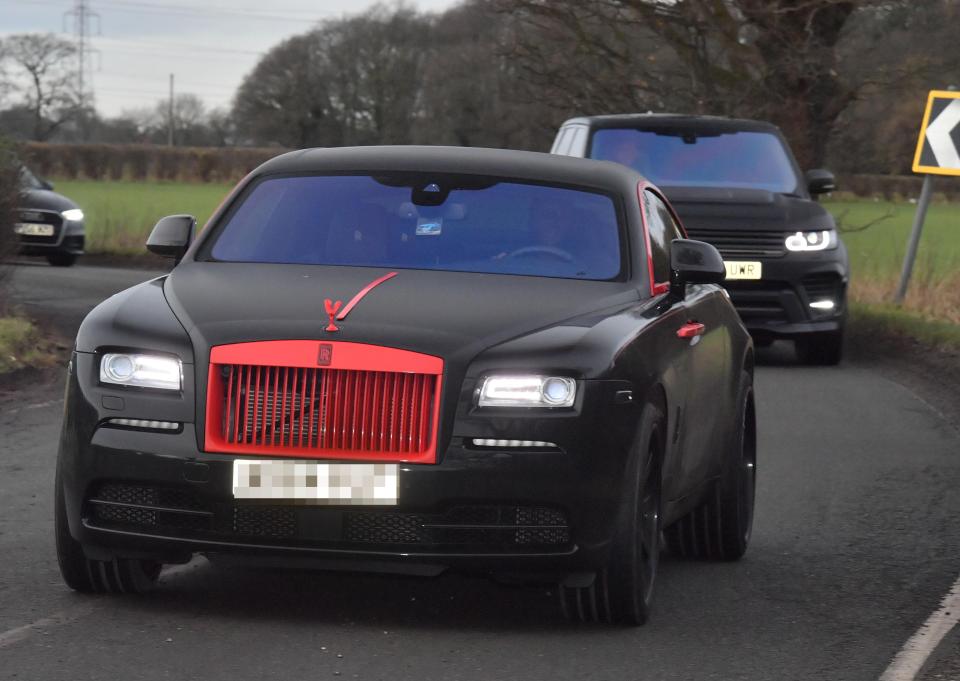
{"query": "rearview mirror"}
pixel 695 262
pixel 172 236
pixel 820 181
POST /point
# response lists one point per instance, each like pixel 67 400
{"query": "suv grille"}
pixel 739 243
pixel 41 217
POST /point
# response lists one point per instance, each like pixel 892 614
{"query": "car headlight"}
pixel 818 240
pixel 143 371
pixel 73 214
pixel 527 391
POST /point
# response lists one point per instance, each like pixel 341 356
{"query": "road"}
pixel 856 542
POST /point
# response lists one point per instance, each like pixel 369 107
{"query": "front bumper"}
pixel 546 511
pixel 779 305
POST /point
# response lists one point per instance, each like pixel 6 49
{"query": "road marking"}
pixel 915 652
pixel 17 634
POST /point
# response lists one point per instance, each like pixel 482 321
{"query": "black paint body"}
pixel 614 337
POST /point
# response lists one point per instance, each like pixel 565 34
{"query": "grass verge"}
pixel 23 345
pixel 891 324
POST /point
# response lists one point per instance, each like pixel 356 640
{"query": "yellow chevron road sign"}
pixel 938 149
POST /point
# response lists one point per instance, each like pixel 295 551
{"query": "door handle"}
pixel 690 330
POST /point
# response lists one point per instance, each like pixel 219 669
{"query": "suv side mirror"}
pixel 172 236
pixel 46 184
pixel 820 181
pixel 695 262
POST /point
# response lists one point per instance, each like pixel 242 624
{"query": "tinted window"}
pixel 437 223
pixel 662 232
pixel 28 180
pixel 750 160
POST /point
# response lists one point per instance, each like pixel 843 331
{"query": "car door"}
pixel 701 421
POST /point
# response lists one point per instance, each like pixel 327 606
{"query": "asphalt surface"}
pixel 856 541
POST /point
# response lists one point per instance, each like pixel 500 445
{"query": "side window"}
pixel 662 231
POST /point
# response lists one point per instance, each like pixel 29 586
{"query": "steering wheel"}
pixel 558 253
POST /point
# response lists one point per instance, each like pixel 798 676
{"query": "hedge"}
pixel 143 161
pixel 229 164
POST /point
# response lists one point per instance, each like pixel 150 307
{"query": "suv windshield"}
pixel 28 180
pixel 465 224
pixel 690 158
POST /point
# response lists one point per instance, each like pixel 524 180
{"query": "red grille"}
pixel 277 406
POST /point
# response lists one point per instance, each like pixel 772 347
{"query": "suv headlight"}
pixel 143 371
pixel 72 214
pixel 527 391
pixel 819 240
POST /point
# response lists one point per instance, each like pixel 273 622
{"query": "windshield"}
pixel 685 158
pixel 434 223
pixel 28 180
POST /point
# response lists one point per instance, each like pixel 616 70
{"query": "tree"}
pixel 772 59
pixel 41 66
pixel 349 81
pixel 285 100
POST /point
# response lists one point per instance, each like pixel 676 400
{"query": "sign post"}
pixel 938 153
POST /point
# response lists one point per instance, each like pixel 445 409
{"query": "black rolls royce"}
pixel 412 359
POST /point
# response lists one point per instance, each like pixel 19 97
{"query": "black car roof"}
pixel 520 165
pixel 667 120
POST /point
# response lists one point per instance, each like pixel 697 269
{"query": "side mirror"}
pixel 820 181
pixel 172 236
pixel 46 184
pixel 694 262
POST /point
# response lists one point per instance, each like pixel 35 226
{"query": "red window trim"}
pixel 656 288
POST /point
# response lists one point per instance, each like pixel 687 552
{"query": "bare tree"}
pixel 773 59
pixel 41 66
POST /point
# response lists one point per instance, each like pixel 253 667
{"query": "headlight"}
pixel 73 214
pixel 819 240
pixel 144 371
pixel 527 391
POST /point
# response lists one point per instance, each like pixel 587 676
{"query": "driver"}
pixel 550 232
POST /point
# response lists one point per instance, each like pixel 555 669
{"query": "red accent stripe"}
pixel 364 291
pixel 656 288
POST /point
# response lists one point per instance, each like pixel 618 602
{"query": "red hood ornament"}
pixel 333 308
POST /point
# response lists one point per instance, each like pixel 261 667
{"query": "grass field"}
pixel 121 214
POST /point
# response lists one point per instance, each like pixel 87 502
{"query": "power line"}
pixel 81 14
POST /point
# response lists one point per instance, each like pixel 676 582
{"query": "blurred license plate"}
pixel 743 269
pixel 311 482
pixel 33 229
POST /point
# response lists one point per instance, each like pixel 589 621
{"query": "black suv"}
pixel 736 185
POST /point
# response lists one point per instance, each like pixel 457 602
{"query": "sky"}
pixel 208 46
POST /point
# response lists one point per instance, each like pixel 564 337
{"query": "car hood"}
pixel 43 199
pixel 705 208
pixel 452 315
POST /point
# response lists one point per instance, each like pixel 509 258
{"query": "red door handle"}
pixel 690 330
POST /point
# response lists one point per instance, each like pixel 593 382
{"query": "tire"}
pixel 820 349
pixel 720 527
pixel 622 591
pixel 119 575
pixel 61 259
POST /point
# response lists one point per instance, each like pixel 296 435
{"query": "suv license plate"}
pixel 33 229
pixel 743 269
pixel 312 482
